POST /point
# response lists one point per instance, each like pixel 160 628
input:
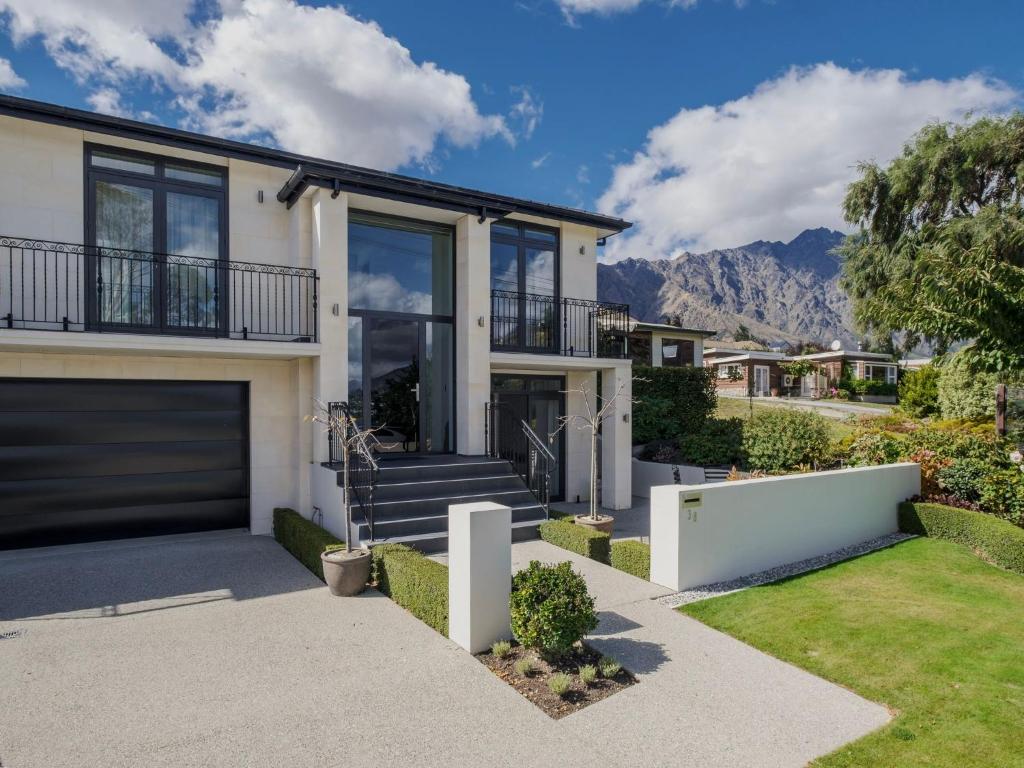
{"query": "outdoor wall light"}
pixel 336 309
pixel 481 321
pixel 625 418
pixel 583 249
pixel 259 196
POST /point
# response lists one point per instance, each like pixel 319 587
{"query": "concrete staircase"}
pixel 413 493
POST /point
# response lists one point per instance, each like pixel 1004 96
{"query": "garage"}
pixel 88 460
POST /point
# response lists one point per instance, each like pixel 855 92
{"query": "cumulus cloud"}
pixel 315 80
pixel 9 79
pixel 777 161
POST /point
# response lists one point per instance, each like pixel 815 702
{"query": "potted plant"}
pixel 591 420
pixel 346 570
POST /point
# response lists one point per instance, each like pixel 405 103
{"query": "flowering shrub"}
pixel 931 466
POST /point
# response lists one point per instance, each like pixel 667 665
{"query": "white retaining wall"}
pixel 647 474
pixel 702 534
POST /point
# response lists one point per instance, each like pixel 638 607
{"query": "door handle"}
pixel 416 389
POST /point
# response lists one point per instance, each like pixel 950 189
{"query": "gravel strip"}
pixel 781 572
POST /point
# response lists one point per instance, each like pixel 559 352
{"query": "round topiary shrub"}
pixel 780 439
pixel 551 608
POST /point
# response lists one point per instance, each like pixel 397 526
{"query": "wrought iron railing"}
pixel 343 432
pixel 65 286
pixel 527 322
pixel 509 437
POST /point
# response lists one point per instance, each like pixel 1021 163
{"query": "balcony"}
pixel 547 325
pixel 68 287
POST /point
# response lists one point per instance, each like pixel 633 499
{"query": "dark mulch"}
pixel 535 687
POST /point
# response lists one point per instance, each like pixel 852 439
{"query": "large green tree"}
pixel 940 251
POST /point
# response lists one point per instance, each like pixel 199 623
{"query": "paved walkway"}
pixel 225 651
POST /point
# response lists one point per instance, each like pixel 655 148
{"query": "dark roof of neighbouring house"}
pixel 637 325
pixel 311 170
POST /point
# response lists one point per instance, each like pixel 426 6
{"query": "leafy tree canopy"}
pixel 940 251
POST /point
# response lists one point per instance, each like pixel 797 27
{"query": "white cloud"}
pixel 528 111
pixel 583 174
pixel 541 161
pixel 9 79
pixel 777 161
pixel 315 80
pixel 573 8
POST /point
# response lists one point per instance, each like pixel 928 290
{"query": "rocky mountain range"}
pixel 782 292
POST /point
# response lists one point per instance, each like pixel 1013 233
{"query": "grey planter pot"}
pixel 346 573
pixel 604 523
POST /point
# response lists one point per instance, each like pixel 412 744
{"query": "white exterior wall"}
pixel 577 441
pixel 472 336
pixel 746 526
pixel 578 270
pixel 276 454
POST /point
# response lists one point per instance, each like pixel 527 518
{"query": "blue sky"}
pixel 709 123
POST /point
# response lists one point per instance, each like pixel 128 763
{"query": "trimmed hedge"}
pixel 414 581
pixel 577 538
pixel 303 538
pixel 671 401
pixel 633 557
pixel 996 540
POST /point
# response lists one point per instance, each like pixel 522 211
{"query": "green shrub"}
pixel 919 392
pixel 995 540
pixel 501 649
pixel 414 581
pixel 1002 494
pixel 779 439
pixel 559 683
pixel 588 674
pixel 867 387
pixel 524 667
pixel 551 608
pixel 671 401
pixel 964 478
pixel 717 441
pixel 633 557
pixel 965 393
pixel 876 447
pixel 304 539
pixel 584 541
pixel 609 667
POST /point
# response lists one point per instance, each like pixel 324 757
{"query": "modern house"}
pixel 662 345
pixel 172 305
pixel 742 372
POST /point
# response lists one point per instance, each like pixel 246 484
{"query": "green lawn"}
pixel 924 627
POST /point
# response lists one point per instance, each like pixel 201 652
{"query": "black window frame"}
pixel 160 185
pixel 522 241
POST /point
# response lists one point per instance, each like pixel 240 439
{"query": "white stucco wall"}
pixel 742 527
pixel 278 455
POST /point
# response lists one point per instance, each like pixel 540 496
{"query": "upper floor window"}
pixel 524 258
pixel 399 265
pixel 149 204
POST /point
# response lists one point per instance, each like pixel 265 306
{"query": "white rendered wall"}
pixel 617 439
pixel 577 441
pixel 479 564
pixel 472 338
pixel 276 457
pixel 648 474
pixel 746 526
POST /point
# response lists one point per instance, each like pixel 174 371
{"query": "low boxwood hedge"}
pixel 633 557
pixel 303 538
pixel 584 541
pixel 414 581
pixel 996 540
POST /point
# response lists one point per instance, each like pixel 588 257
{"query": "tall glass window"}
pixel 524 287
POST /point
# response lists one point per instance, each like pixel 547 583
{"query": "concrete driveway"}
pixel 225 651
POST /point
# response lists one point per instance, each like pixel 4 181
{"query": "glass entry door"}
pixel 402 388
pixel 540 402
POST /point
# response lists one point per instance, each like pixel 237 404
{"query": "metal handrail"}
pixel 523 449
pixel 51 285
pixel 530 322
pixel 362 478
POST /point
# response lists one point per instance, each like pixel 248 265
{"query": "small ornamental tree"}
pixel 550 607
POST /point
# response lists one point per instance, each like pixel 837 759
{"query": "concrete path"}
pixel 225 651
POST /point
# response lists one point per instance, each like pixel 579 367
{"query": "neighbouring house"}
pixel 876 370
pixel 662 345
pixel 746 372
pixel 171 304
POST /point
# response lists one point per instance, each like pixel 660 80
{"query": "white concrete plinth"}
pixel 479 574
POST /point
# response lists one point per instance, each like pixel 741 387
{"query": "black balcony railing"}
pixel 64 286
pixel 526 322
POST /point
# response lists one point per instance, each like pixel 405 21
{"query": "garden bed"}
pixel 534 686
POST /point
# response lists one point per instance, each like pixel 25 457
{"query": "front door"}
pixel 761 388
pixel 540 402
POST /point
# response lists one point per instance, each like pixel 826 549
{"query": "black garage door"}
pixel 91 460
